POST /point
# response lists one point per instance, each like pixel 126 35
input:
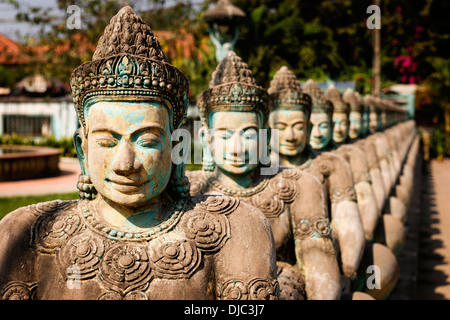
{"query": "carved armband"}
pixel 340 194
pixel 317 227
pixel 256 289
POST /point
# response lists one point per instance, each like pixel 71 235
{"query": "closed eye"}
pixel 148 140
pixel 106 141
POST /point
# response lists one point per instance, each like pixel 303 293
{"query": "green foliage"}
pixel 439 144
pixel 65 145
pixel 199 70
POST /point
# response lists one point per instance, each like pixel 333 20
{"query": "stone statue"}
pixel 335 173
pixel 136 233
pixel 341 112
pixel 356 115
pixel 234 112
pixel 335 170
pixel 374 124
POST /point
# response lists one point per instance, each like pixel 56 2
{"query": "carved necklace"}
pixel 213 181
pixel 116 234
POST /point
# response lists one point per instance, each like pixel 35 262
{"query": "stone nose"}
pixel 289 134
pixel 315 132
pixel 236 146
pixel 125 161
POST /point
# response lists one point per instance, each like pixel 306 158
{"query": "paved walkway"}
pixel 434 236
pixel 64 183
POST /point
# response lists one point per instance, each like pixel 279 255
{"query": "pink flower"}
pixel 419 29
pixel 407 62
pixel 398 9
pixel 403 78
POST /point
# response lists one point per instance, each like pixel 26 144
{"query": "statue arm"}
pixel 245 268
pixel 365 196
pixel 16 256
pixel 346 220
pixel 314 249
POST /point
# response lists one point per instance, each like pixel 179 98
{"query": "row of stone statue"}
pixel 326 225
pixel 349 155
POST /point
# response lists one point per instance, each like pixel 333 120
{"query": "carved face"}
pixel 321 130
pixel 356 124
pixel 129 151
pixel 293 130
pixel 373 122
pixel 340 127
pixel 235 141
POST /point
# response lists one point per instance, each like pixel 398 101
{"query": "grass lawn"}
pixel 12 203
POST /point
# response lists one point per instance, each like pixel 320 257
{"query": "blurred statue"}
pixel 335 171
pixel 234 112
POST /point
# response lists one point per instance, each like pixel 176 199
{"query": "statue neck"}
pixel 294 161
pixel 131 219
pixel 234 181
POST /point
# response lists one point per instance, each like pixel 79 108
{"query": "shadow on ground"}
pixel 429 278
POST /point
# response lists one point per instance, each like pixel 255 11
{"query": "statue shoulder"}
pixel 240 215
pixel 246 261
pixel 328 163
pixel 18 231
pixel 198 182
pixel 25 217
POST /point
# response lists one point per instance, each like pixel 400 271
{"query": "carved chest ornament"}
pixel 270 195
pixel 125 264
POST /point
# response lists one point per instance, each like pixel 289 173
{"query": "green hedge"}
pixel 65 145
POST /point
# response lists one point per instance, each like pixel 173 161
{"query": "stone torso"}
pixel 71 254
pixel 277 197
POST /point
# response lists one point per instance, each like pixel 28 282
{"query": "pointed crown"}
pixel 285 92
pixel 320 104
pixel 354 100
pixel 333 94
pixel 233 88
pixel 372 103
pixel 129 64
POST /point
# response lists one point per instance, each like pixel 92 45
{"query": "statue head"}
pixel 128 101
pixel 374 113
pixel 321 121
pixel 232 110
pixel 290 112
pixel 340 114
pixel 356 116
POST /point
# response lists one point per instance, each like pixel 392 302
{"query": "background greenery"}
pixel 65 145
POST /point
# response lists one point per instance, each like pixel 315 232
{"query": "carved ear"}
pixel 80 145
pixel 206 139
